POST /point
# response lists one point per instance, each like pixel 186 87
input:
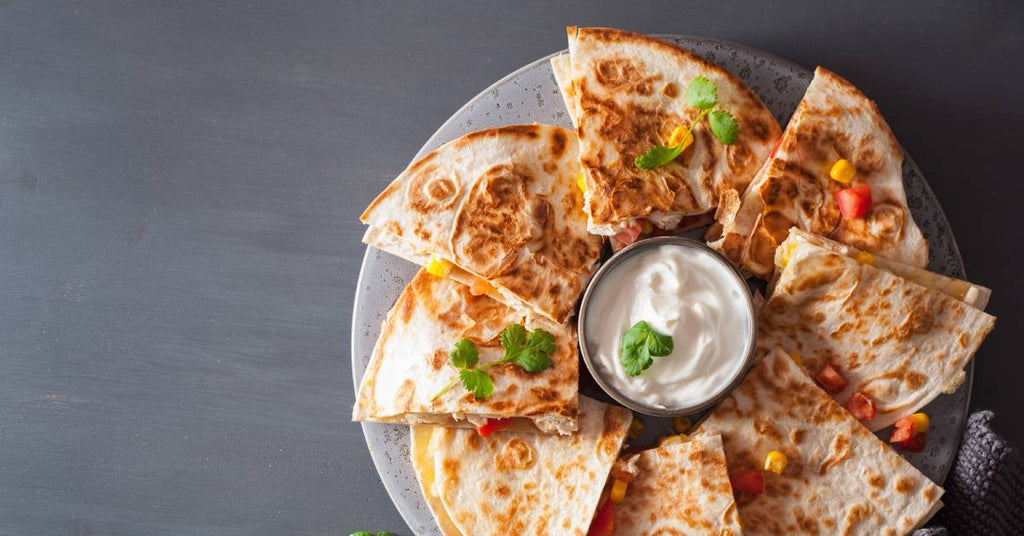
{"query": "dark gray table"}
pixel 179 188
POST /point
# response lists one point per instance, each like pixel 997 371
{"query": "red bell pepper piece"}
pixel 830 379
pixel 491 426
pixel 854 202
pixel 748 480
pixel 862 407
pixel 603 523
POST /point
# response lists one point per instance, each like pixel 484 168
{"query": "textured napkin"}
pixel 985 488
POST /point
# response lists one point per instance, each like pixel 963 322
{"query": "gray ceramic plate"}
pixel 531 95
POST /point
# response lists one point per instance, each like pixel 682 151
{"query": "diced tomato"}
pixel 748 480
pixel 854 202
pixel 830 379
pixel 627 236
pixel 903 430
pixel 862 407
pixel 914 443
pixel 492 425
pixel 603 523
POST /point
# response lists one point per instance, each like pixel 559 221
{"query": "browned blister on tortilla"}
pixel 680 488
pixel 502 206
pixel 514 483
pixel 410 364
pixel 626 93
pixel 840 478
pixel 793 188
pixel 895 340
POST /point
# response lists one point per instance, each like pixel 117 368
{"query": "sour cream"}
pixel 682 291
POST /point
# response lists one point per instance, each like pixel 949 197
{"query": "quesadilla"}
pixel 626 93
pixel 836 143
pixel 498 210
pixel 410 364
pixel 840 478
pixel 893 340
pixel 512 483
pixel 680 488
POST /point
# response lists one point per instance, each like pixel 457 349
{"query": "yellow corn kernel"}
pixel 635 428
pixel 647 227
pixel 787 254
pixel 775 462
pixel 439 267
pixel 673 439
pixel 677 137
pixel 921 422
pixel 618 491
pixel 796 358
pixel 681 424
pixel 842 171
pixel 864 257
pixel 480 287
pixel 580 183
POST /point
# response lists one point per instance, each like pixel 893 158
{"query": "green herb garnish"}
pixel 701 94
pixel 531 350
pixel 640 345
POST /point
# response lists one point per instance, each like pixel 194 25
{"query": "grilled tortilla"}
pixel 793 189
pixel 626 93
pixel 502 206
pixel 840 479
pixel 511 483
pixel 681 488
pixel 894 339
pixel 410 364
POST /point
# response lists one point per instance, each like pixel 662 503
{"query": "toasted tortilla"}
pixel 501 205
pixel 895 340
pixel 513 483
pixel 793 189
pixel 681 488
pixel 840 478
pixel 626 93
pixel 410 364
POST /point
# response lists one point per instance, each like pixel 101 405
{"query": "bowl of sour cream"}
pixel 667 326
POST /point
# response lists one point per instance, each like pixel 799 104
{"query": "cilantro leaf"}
pixel 528 350
pixel 477 382
pixel 640 345
pixel 658 156
pixel 702 93
pixel 724 126
pixel 464 355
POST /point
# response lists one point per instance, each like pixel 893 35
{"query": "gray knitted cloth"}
pixel 985 488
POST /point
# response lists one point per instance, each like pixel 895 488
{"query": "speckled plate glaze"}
pixel 531 95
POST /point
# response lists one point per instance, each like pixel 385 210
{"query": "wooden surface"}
pixel 179 191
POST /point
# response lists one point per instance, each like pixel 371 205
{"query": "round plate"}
pixel 530 95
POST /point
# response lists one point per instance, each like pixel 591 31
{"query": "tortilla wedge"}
pixel 680 488
pixel 794 189
pixel 626 93
pixel 501 207
pixel 512 483
pixel 840 478
pixel 893 339
pixel 410 364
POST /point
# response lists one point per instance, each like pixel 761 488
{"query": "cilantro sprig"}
pixel 640 345
pixel 703 95
pixel 530 350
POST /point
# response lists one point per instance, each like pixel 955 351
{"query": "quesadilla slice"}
pixel 837 172
pixel 498 210
pixel 680 488
pixel 839 478
pixel 884 340
pixel 626 94
pixel 512 483
pixel 410 365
